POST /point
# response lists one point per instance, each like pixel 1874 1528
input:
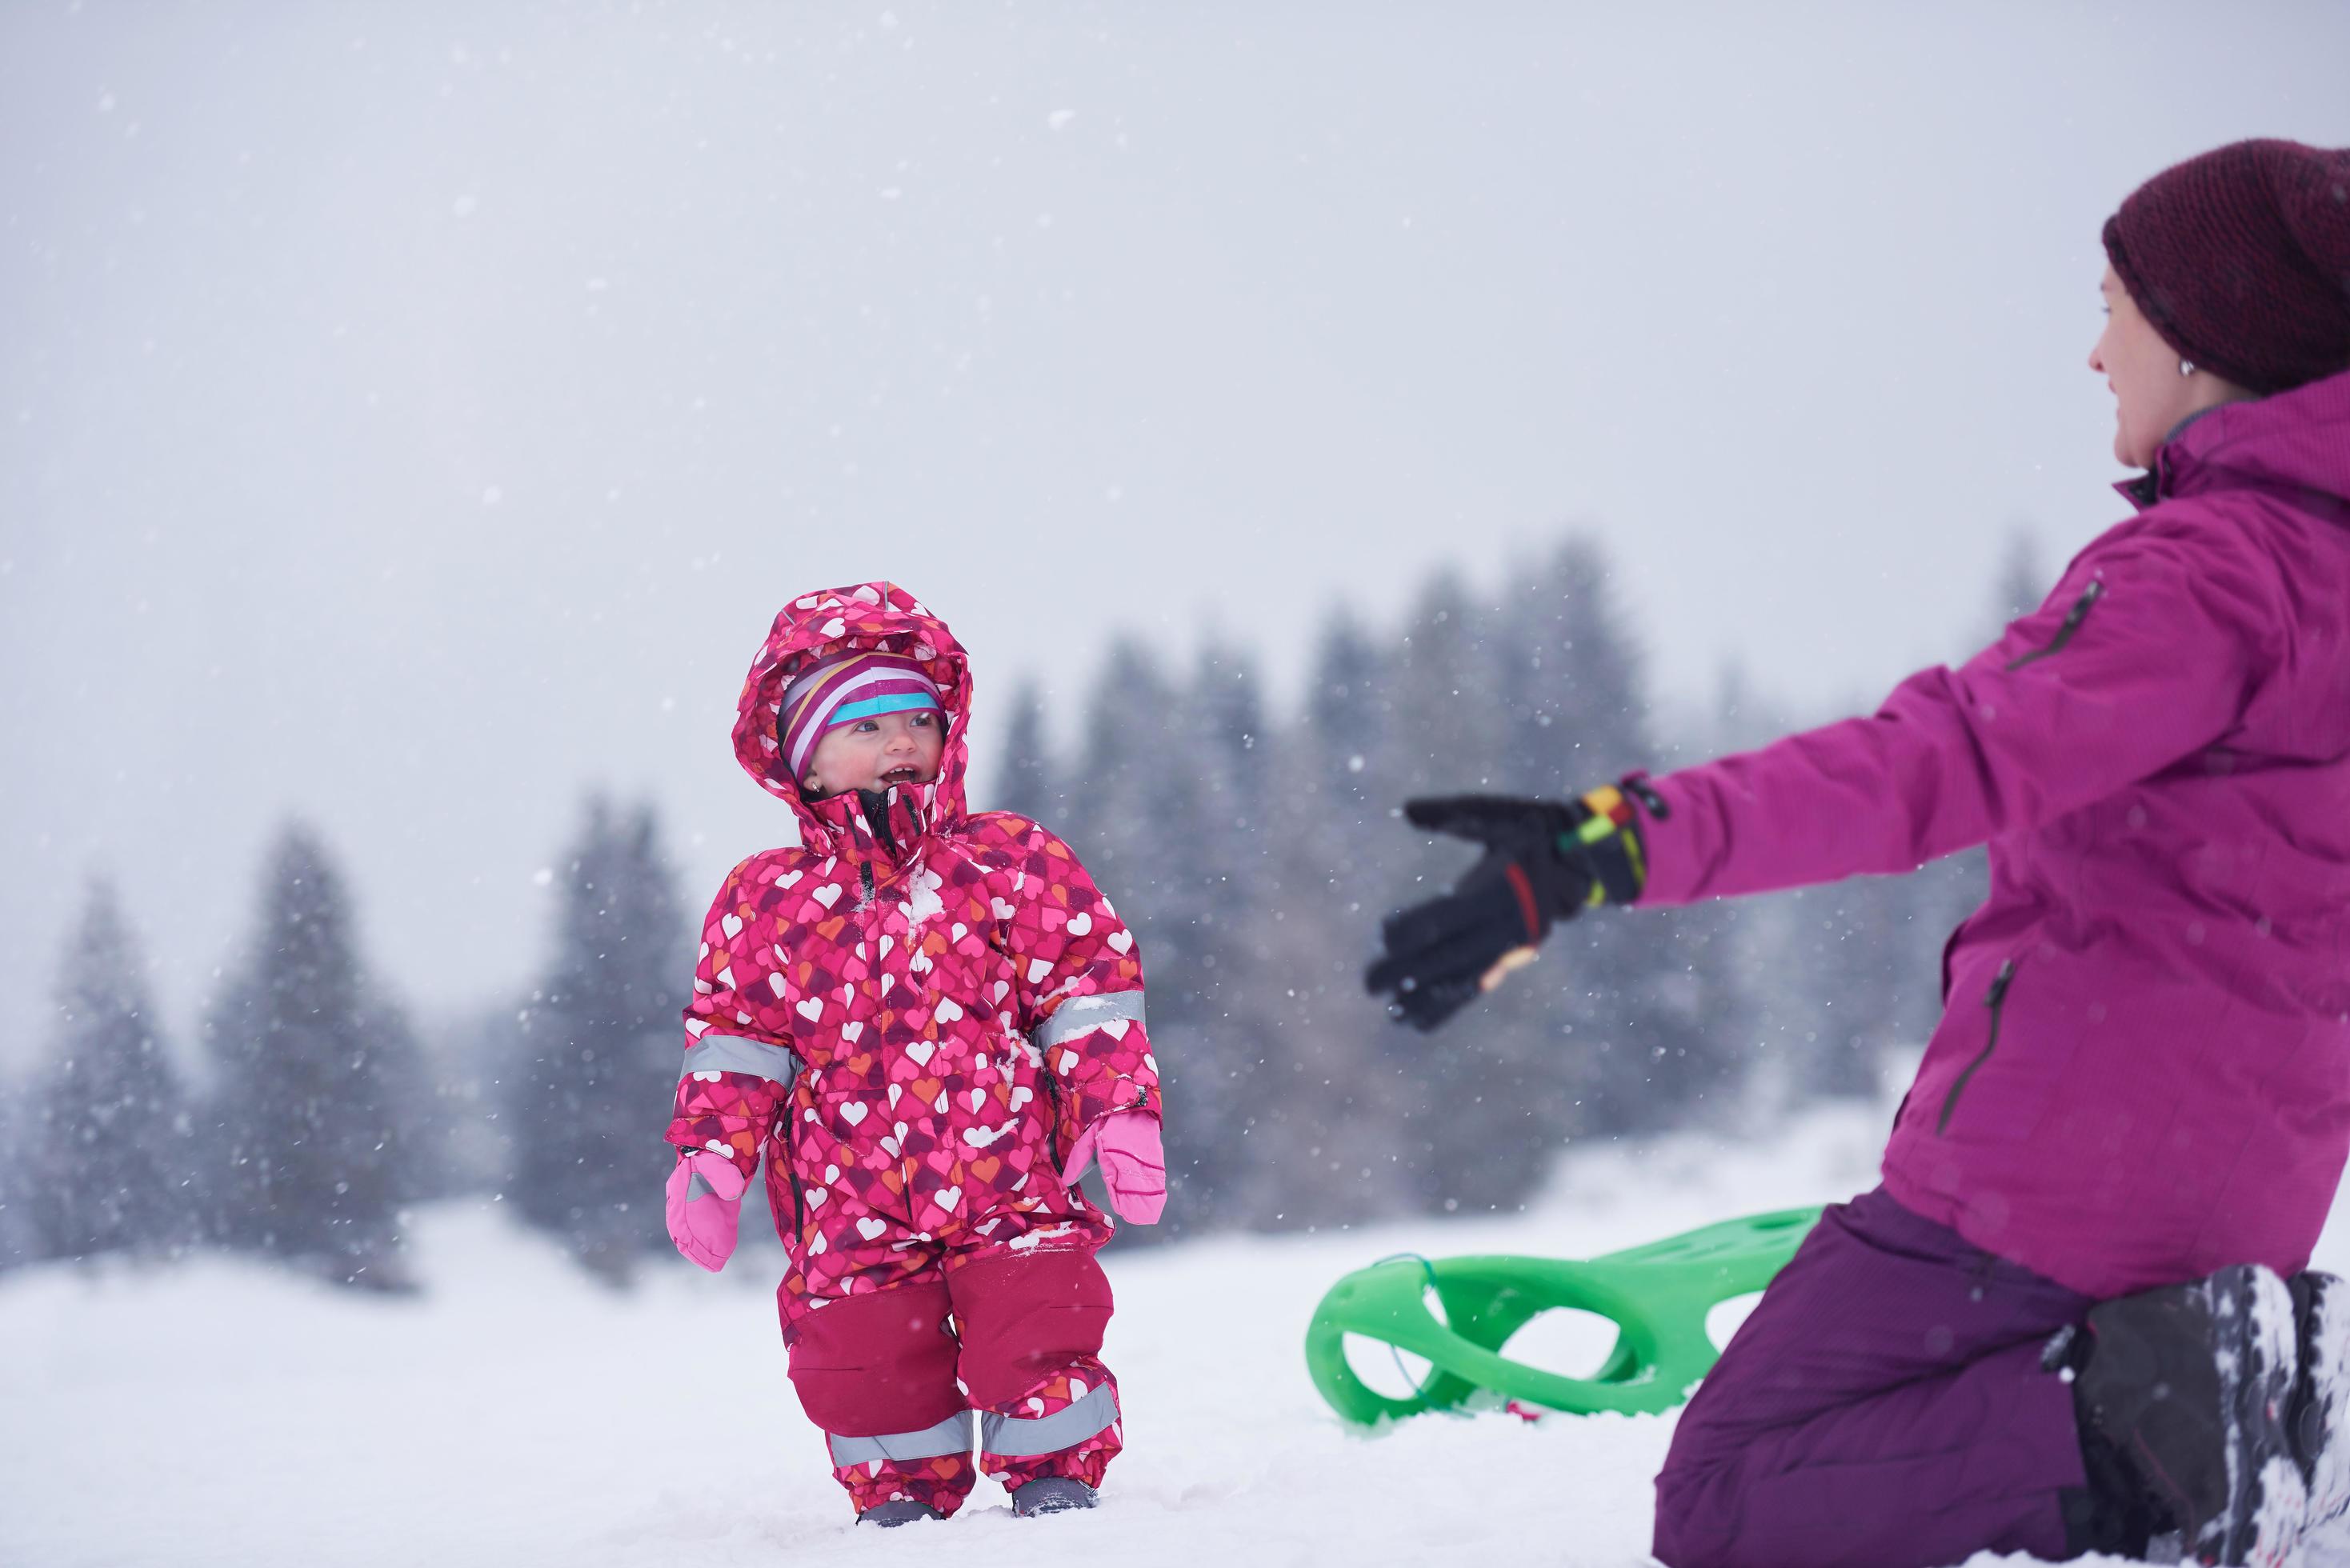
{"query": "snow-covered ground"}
pixel 517 1414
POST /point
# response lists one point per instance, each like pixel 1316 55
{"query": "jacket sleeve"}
pixel 739 1063
pixel 2146 653
pixel 1077 984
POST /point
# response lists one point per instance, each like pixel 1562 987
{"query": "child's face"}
pixel 874 753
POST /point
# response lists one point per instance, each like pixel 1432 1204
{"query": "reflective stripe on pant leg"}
pixel 1016 1437
pixel 952 1435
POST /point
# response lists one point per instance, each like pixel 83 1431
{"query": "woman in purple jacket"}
pixel 2074 1317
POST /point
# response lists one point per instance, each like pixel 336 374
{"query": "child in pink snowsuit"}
pixel 929 1021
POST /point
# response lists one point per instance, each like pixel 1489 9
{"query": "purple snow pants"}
pixel 1883 1407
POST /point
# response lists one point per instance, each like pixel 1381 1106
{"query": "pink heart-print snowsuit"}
pixel 914 1016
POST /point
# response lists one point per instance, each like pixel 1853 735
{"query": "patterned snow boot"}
pixel 2193 1386
pixel 1051 1494
pixel 897 1512
pixel 2321 1396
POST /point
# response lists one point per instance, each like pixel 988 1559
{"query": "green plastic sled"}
pixel 1657 1297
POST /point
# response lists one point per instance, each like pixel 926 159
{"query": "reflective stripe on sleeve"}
pixel 1017 1437
pixel 1079 1014
pixel 716 1052
pixel 952 1435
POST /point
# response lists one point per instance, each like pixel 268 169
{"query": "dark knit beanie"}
pixel 2241 258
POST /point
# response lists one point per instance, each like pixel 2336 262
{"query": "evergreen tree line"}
pixel 318 1116
pixel 1253 852
pixel 304 1141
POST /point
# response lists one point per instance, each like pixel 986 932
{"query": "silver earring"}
pixel 2186 367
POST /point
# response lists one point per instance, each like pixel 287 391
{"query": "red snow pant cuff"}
pixel 1024 1317
pixel 890 1382
pixel 1031 1334
pixel 876 1372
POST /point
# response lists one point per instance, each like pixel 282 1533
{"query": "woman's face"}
pixel 2151 397
pixel 874 753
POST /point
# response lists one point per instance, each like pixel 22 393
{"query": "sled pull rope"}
pixel 1428 1271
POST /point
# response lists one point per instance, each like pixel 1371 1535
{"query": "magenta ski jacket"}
pixel 2142 1071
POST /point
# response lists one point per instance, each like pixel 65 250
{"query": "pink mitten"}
pixel 1133 1163
pixel 705 1207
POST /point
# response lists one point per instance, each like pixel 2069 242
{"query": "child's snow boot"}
pixel 897 1511
pixel 1051 1494
pixel 2192 1385
pixel 2321 1396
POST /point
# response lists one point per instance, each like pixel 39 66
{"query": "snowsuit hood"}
pixel 2142 1071
pixel 877 617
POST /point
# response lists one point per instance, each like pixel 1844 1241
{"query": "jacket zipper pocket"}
pixel 2072 623
pixel 1996 1000
pixel 799 1208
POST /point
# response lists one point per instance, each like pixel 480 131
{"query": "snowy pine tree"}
pixel 1775 1027
pixel 1337 1153
pixel 1139 818
pixel 1027 782
pixel 1644 1013
pixel 1866 965
pixel 20 1243
pixel 316 1086
pixel 1628 1019
pixel 1235 1052
pixel 105 1162
pixel 1475 1114
pixel 585 1101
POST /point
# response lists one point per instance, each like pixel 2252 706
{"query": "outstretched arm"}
pixel 2147 652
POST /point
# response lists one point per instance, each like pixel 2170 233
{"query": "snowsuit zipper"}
pixel 877 819
pixel 2073 620
pixel 1995 1000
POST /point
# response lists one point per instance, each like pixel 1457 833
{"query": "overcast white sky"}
pixel 410 414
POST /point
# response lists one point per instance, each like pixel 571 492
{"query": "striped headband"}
pixel 844 689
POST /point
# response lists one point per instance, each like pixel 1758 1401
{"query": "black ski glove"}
pixel 1545 861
